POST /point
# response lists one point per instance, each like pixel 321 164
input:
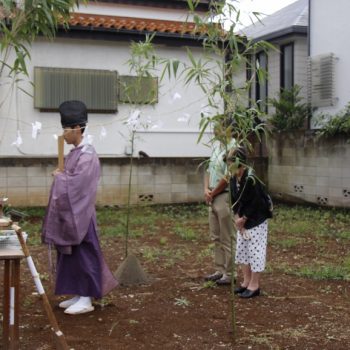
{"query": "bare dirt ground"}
pixel 178 311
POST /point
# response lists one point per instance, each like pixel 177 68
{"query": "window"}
pixel 261 81
pixel 287 66
pixel 98 89
pixel 141 90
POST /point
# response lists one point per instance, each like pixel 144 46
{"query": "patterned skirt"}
pixel 252 251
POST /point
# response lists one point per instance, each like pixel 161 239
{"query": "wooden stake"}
pixel 60 340
pixel 60 143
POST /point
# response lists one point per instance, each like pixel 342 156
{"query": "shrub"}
pixel 338 124
pixel 290 112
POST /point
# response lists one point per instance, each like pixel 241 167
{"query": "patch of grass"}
pixel 343 234
pixel 206 252
pixel 324 272
pixel 28 300
pixel 183 211
pixel 321 273
pixel 281 267
pixel 315 221
pixel 163 240
pixel 168 256
pixel 324 232
pixel 181 302
pixel 186 233
pixel 150 253
pixel 112 231
pixel 209 284
pixel 285 243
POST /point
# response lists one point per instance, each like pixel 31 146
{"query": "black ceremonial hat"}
pixel 73 113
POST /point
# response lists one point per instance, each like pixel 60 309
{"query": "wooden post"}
pixel 6 306
pixel 14 304
pixel 60 340
pixel 10 322
pixel 60 143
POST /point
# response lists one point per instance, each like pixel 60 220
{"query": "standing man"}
pixel 216 196
pixel 70 220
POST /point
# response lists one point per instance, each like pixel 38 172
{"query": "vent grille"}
pixel 321 80
pixel 98 89
pixel 139 90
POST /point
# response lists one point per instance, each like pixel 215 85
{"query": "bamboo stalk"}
pixel 60 340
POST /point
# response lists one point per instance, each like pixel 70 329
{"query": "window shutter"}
pixel 98 89
pixel 321 80
pixel 138 90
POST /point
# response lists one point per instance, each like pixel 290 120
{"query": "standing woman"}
pixel 251 212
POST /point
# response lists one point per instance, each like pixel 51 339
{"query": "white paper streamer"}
pixel 134 119
pixel 176 96
pixel 19 140
pixel 184 119
pixel 35 275
pixel 12 306
pixel 158 125
pixel 257 64
pixel 36 128
pixel 103 133
pixel 89 139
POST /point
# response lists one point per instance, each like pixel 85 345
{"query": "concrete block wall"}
pixel 27 182
pixel 303 168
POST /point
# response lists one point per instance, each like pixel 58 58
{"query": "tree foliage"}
pixel 225 54
pixel 21 22
pixel 290 112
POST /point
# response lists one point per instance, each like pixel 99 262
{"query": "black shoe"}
pixel 213 277
pixel 223 281
pixel 250 293
pixel 239 290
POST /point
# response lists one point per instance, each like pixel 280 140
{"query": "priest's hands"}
pixel 56 172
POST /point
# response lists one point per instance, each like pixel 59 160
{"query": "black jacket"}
pixel 248 199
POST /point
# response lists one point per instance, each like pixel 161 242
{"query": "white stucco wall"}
pixel 329 33
pixel 167 136
pixel 123 10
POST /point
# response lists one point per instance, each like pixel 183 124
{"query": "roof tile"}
pixel 131 23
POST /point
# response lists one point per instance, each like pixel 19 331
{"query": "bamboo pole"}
pixel 60 144
pixel 60 340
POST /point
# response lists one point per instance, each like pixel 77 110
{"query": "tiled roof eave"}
pixel 132 23
pixel 131 32
pixel 282 33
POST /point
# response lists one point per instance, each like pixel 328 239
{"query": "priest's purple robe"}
pixel 70 225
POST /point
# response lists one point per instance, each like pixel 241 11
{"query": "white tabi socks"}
pixel 69 302
pixel 82 306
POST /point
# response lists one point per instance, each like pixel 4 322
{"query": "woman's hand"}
pixel 240 222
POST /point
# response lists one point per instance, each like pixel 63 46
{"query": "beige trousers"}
pixel 221 228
